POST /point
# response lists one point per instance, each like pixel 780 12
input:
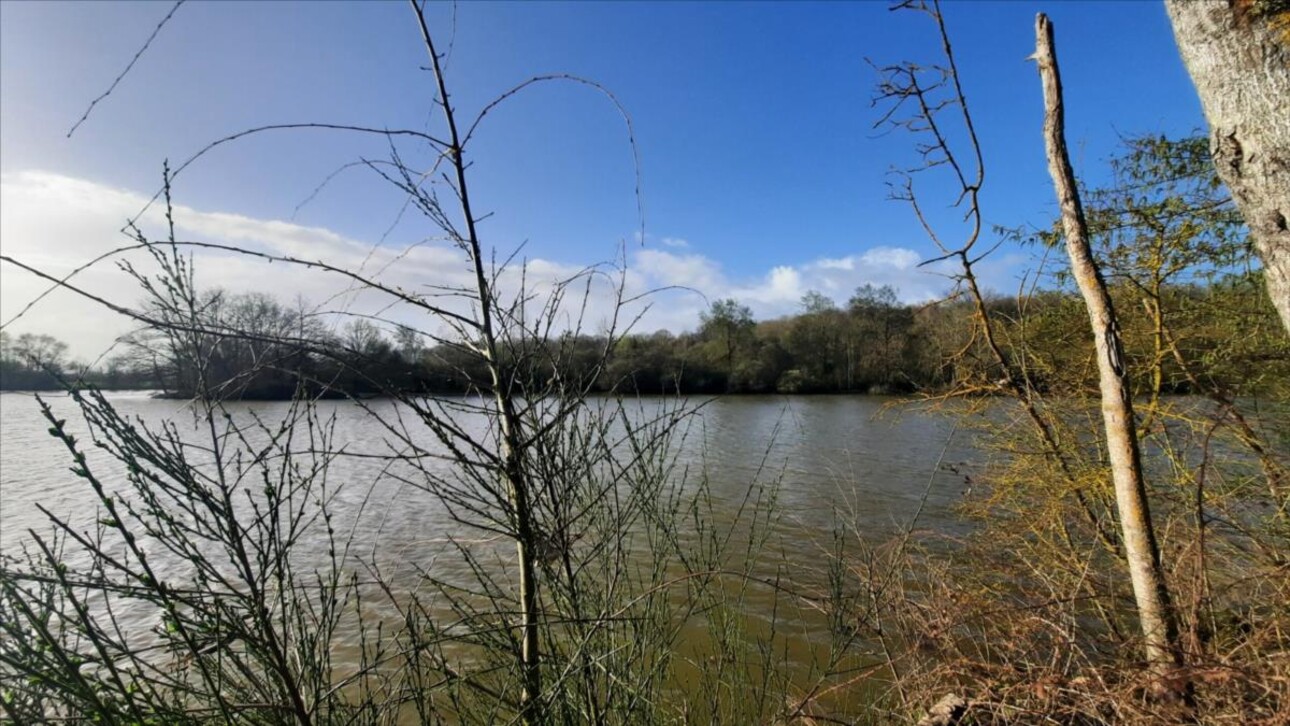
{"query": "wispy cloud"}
pixel 779 290
pixel 56 223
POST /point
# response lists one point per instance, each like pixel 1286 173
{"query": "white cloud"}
pixel 666 269
pixel 826 263
pixel 894 257
pixel 781 286
pixel 779 291
pixel 55 223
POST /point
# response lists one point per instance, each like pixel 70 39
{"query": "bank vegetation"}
pixel 593 556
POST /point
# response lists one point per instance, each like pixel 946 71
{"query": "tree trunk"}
pixel 1159 629
pixel 1238 54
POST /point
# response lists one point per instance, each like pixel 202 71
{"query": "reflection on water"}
pixel 876 461
pixel 859 453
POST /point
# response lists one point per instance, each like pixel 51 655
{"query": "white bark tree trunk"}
pixel 1238 54
pixel 1159 629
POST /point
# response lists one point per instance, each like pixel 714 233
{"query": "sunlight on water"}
pixel 828 454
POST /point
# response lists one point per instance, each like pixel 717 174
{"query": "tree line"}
pixel 255 347
pixel 1194 318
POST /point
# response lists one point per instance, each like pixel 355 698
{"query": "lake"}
pixel 872 455
pixel 879 460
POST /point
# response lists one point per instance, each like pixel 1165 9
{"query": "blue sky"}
pixel 762 175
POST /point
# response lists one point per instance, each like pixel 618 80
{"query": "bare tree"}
pixel 929 103
pixel 1238 54
pixel 1159 628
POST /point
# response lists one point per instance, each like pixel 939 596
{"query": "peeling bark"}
pixel 1238 55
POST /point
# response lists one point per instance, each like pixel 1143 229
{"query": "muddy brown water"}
pixel 870 456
